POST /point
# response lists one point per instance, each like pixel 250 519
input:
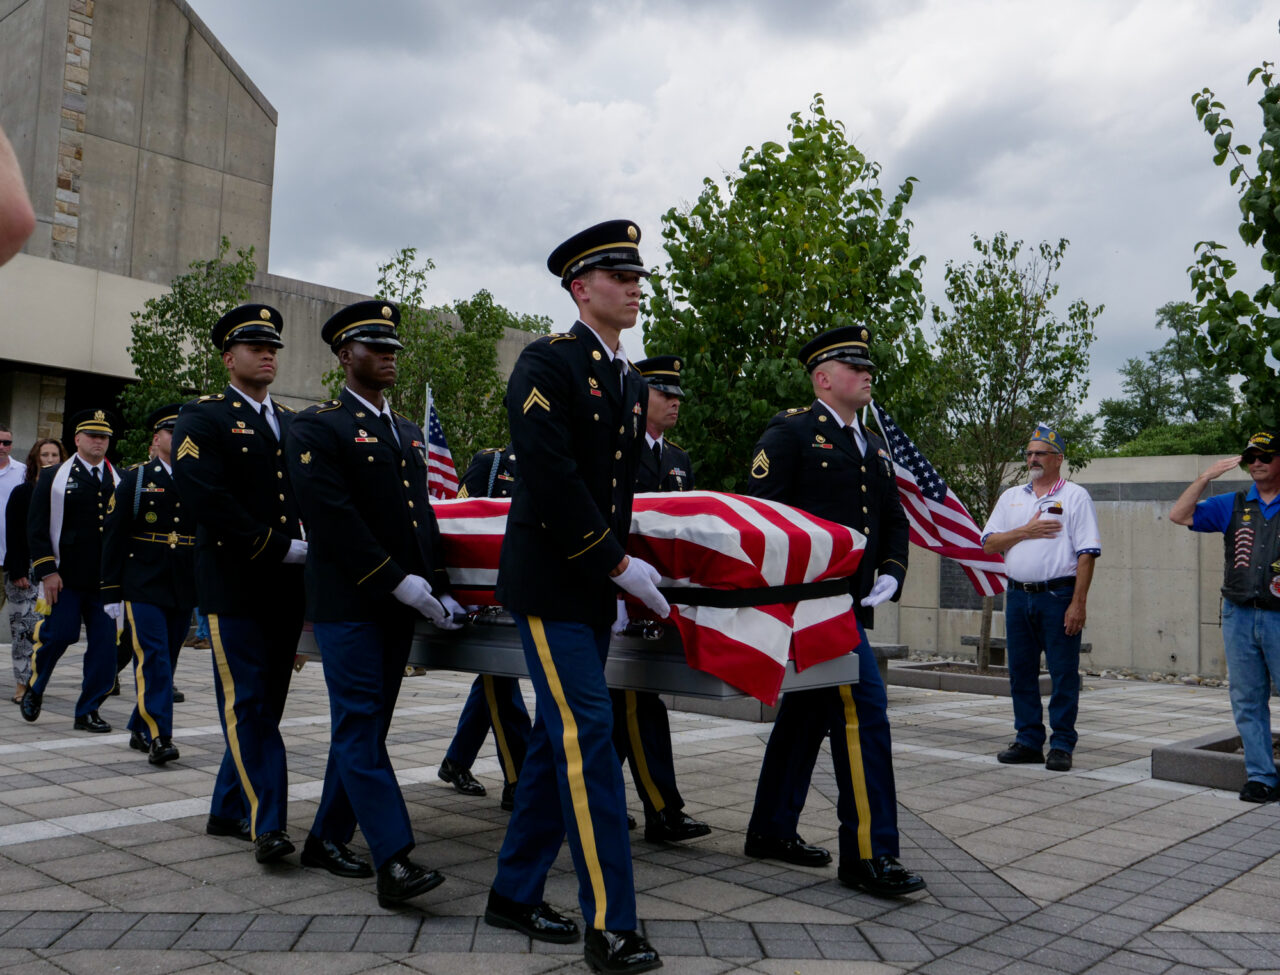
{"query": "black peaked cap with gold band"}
pixel 849 343
pixel 613 244
pixel 92 421
pixel 164 418
pixel 371 322
pixel 661 372
pixel 251 324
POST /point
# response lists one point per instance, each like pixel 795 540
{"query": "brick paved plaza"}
pixel 104 864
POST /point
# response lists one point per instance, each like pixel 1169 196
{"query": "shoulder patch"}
pixel 212 398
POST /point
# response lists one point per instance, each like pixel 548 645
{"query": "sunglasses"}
pixel 6 443
pixel 1249 457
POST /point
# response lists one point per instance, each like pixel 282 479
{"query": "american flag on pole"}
pixel 707 540
pixel 442 476
pixel 939 521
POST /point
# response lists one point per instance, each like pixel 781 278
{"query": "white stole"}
pixel 57 501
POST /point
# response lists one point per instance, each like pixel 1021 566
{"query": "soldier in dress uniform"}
pixel 375 562
pixel 577 416
pixel 230 470
pixel 822 459
pixel 495 701
pixel 148 582
pixel 64 529
pixel 641 731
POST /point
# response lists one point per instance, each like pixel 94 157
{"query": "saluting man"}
pixel 641 730
pixel 148 582
pixel 495 701
pixel 822 459
pixel 64 528
pixel 375 561
pixel 577 416
pixel 230 469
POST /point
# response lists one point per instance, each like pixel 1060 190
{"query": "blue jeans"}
pixel 1033 623
pixel 1251 638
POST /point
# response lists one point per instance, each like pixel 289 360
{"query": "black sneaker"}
pixel 1058 760
pixel 1020 754
pixel 1255 791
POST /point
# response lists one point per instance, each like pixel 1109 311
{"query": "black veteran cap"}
pixel 612 244
pixel 165 418
pixel 1263 442
pixel 92 421
pixel 370 322
pixel 661 372
pixel 251 324
pixel 847 344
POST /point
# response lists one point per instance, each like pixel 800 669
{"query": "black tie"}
pixel 97 476
pixel 620 367
pixel 391 427
pixel 853 439
pixel 657 454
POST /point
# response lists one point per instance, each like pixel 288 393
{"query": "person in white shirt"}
pixel 1047 530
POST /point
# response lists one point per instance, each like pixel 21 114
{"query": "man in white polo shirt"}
pixel 1047 530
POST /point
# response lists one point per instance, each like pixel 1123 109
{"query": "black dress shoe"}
pixel 399 879
pixel 538 921
pixel 226 826
pixel 673 826
pixel 335 857
pixel 619 951
pixel 1058 760
pixel 795 851
pixel 1255 791
pixel 631 821
pixel 178 696
pixel 460 778
pixel 1019 754
pixel 162 750
pixel 883 876
pixel 91 722
pixel 272 845
pixel 508 802
pixel 138 743
pixel 30 705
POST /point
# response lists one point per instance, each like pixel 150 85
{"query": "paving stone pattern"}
pixel 104 864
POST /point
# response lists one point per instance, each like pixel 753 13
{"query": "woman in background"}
pixel 17 562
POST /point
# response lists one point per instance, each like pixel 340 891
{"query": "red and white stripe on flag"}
pixel 706 539
pixel 442 475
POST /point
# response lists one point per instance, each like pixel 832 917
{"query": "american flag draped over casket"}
pixel 745 577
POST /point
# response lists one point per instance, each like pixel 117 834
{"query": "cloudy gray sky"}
pixel 485 132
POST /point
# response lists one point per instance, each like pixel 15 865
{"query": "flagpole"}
pixel 426 410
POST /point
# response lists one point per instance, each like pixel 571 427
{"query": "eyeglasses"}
pixel 6 443
pixel 1037 453
pixel 1249 458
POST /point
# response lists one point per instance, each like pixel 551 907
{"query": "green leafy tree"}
pixel 170 348
pixel 1201 437
pixel 1240 333
pixel 799 239
pixel 1168 390
pixel 453 349
pixel 1007 358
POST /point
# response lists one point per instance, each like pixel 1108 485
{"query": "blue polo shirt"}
pixel 1214 514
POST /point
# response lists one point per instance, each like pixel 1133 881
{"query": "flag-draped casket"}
pixel 752 583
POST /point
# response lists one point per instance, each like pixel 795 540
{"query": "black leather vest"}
pixel 1251 556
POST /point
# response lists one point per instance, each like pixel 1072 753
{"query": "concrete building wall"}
pixel 142 140
pixel 1154 604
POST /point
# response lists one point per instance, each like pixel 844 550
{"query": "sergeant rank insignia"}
pixel 760 466
pixel 188 448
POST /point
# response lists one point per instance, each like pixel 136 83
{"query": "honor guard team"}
pixel 214 520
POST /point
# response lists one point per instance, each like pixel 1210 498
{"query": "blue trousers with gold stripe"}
pixel 154 636
pixel 571 784
pixel 642 737
pixel 855 719
pixel 252 664
pixel 494 702
pixel 363 667
pixel 59 630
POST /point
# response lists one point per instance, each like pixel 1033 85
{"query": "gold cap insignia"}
pixel 632 233
pixel 864 335
pixel 305 457
pixel 99 416
pixel 386 312
pixel 266 314
pixel 677 364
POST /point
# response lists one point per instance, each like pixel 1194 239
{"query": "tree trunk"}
pixel 983 658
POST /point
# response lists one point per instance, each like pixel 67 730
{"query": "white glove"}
pixel 882 591
pixel 641 580
pixel 114 610
pixel 623 619
pixel 297 553
pixel 454 609
pixel 415 591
